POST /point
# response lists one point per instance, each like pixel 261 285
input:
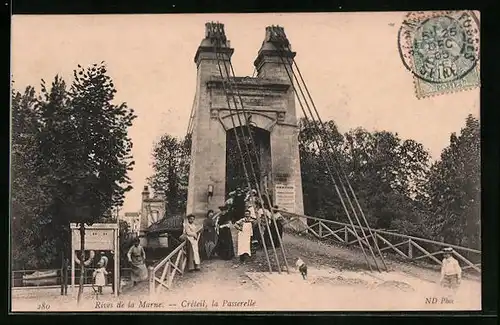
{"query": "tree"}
pixel 454 189
pixel 125 240
pixel 385 172
pixel 86 149
pixel 32 246
pixel 171 171
pixel 320 198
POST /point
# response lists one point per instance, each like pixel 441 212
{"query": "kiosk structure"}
pixel 99 236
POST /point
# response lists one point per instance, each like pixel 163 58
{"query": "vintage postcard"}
pixel 246 162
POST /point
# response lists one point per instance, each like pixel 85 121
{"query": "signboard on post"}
pixel 285 197
pixel 99 236
pixel 285 200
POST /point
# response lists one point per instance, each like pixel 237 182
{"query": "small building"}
pixel 165 232
pixel 153 209
pixel 134 221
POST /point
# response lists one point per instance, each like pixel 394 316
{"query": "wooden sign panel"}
pixel 285 197
pixel 95 239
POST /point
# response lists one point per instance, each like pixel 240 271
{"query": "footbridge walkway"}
pixel 339 278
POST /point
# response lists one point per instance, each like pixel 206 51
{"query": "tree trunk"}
pixel 82 262
pixel 62 272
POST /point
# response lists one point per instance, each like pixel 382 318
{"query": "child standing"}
pixel 451 273
pixel 99 276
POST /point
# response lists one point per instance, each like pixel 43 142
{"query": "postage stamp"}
pixel 442 51
pixel 178 163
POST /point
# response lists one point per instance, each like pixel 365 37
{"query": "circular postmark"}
pixel 439 47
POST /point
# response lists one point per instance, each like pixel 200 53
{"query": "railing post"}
pixel 320 230
pixel 410 249
pixel 151 280
pixel 346 235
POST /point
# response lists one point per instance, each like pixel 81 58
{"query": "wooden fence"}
pixel 410 248
pixel 162 275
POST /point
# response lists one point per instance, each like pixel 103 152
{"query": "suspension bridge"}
pixel 252 122
pixel 362 255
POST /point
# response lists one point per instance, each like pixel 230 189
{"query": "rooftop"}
pixel 167 224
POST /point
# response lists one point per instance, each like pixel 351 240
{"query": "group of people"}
pixel 257 227
pixel 137 259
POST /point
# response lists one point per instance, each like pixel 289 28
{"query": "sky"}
pixel 349 61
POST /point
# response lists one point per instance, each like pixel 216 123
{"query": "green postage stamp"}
pixel 441 49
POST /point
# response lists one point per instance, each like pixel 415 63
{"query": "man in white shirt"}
pixel 451 273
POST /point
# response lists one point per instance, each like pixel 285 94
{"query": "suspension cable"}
pixel 330 154
pixel 259 165
pixel 217 41
pixel 191 116
pixel 342 171
pixel 327 165
pixel 254 174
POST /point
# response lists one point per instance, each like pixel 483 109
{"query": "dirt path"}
pixel 339 280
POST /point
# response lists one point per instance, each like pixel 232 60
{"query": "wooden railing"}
pixel 410 248
pixel 173 264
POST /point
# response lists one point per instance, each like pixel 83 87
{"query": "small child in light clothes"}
pixel 302 267
pixel 451 273
pixel 99 276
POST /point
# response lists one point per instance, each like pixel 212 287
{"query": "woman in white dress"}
pixel 191 234
pixel 244 227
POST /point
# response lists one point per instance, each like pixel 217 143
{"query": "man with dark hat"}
pixel 224 249
pixel 451 273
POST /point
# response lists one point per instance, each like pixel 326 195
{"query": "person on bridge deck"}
pixel 251 196
pixel 255 240
pixel 208 238
pixel 244 227
pixel 238 207
pixel 265 217
pixel 225 248
pixel 256 220
pixel 451 273
pixel 99 276
pixel 137 258
pixel 191 234
pixel 229 201
pixel 277 218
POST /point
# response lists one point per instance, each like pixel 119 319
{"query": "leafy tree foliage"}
pixel 394 181
pixel 32 248
pixel 80 150
pixel 386 172
pixel 454 189
pixel 382 169
pixel 320 198
pixel 171 169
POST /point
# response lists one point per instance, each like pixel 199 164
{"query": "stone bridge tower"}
pixel 269 99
